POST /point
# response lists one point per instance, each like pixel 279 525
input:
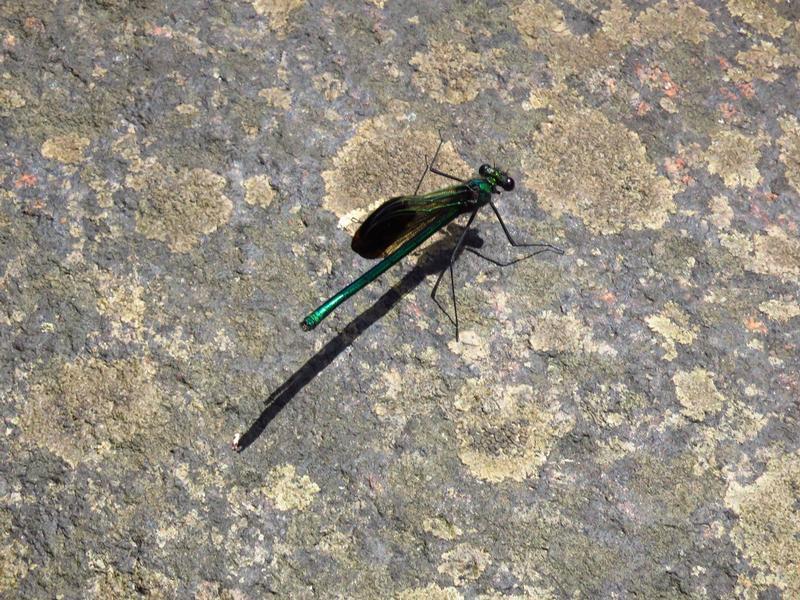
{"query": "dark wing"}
pixel 399 219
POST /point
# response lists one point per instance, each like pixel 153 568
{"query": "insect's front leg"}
pixel 543 247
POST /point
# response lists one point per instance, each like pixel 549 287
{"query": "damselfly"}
pixel 401 224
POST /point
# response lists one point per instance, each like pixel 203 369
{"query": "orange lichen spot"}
pixel 760 214
pixel 787 223
pixel 608 297
pixel 35 208
pixel 670 87
pixel 26 180
pixel 657 77
pixel 677 170
pixel 674 165
pixel 769 196
pixel 643 109
pixel 753 324
pixel 746 89
pixel 728 110
pixel 33 25
pixel 159 31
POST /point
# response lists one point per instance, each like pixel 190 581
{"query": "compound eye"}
pixel 508 184
pixel 485 170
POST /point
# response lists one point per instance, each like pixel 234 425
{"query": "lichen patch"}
pixel 430 592
pixel 674 20
pixel 68 149
pixel 179 206
pixel 277 97
pixel 597 170
pixel 120 301
pixel 506 432
pixel 288 490
pixel 464 563
pixel 441 528
pixel 673 325
pixel 721 212
pixel 777 253
pixel 277 12
pixel 258 191
pixel 789 144
pixel 734 156
pixel 561 334
pixel 760 14
pixel 82 410
pixel 780 310
pixel 544 28
pixel 10 99
pixel 697 393
pixel 768 528
pixel 384 158
pixel 14 562
pixel 449 72
pixel 760 62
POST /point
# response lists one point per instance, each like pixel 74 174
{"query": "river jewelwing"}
pixel 402 224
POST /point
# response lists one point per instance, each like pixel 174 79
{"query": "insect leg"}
pixel 428 165
pixel 511 241
pixel 443 174
pixel 453 256
pixel 437 171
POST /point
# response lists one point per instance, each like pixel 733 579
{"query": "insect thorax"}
pixel 482 189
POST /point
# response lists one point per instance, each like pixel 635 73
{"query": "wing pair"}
pixel 399 219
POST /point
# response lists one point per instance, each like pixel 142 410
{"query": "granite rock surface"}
pixel 179 182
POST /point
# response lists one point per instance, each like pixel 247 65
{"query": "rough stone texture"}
pixel 179 181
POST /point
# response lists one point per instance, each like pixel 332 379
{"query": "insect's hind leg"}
pixel 449 266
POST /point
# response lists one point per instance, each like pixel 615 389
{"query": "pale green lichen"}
pixel 82 410
pixel 768 528
pixel 448 72
pixel 430 592
pixel 10 99
pixel 464 563
pixel 789 144
pixel 597 170
pixel 780 310
pixel 68 149
pixel 734 156
pixel 760 14
pixel 179 206
pixel 441 528
pixel 761 62
pixel 13 565
pixel 258 191
pixel 721 212
pixel 543 27
pixel 277 12
pixel 776 253
pixel 385 157
pixel 288 490
pixel 277 97
pixel 506 432
pixel 697 393
pixel 120 301
pixel 673 325
pixel 565 334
